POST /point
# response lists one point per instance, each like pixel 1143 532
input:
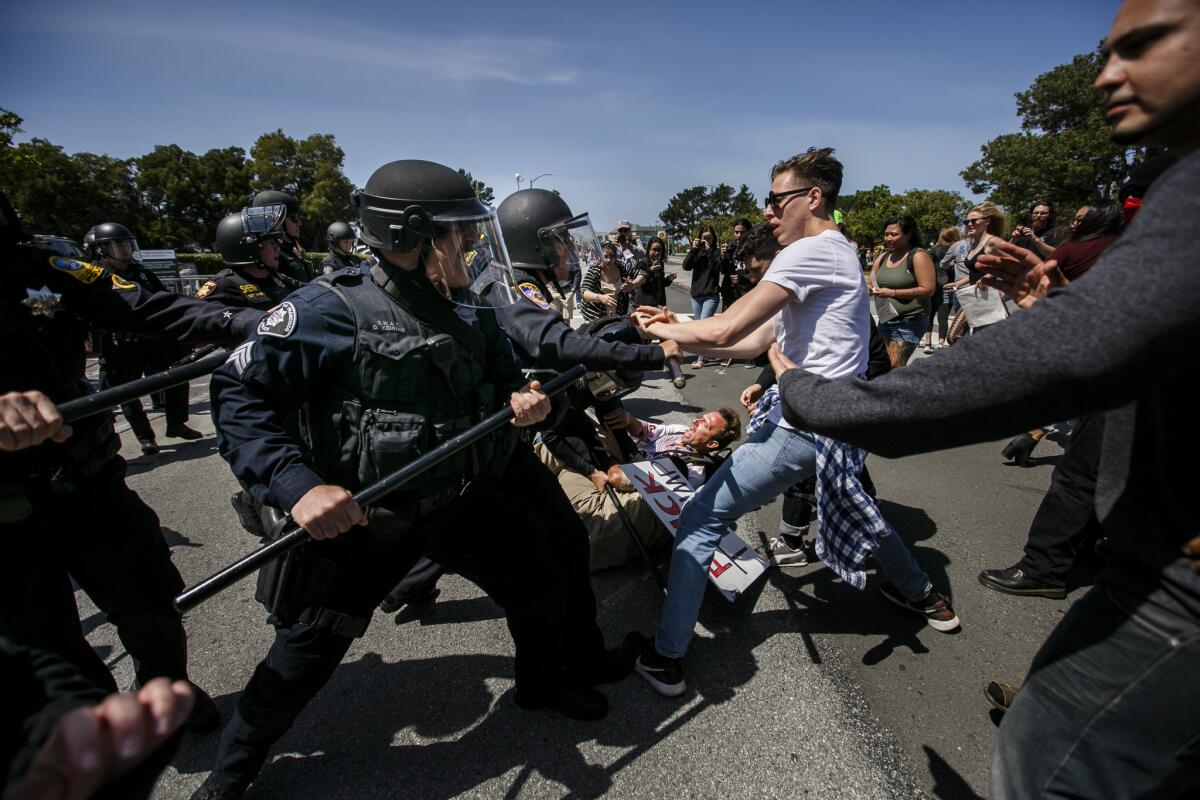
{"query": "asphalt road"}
pixel 804 687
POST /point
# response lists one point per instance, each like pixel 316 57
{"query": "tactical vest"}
pixel 407 388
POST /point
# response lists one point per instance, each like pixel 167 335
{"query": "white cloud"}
pixel 526 61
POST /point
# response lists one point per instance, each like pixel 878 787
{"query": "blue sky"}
pixel 625 103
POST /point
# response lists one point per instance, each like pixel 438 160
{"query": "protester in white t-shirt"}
pixel 813 301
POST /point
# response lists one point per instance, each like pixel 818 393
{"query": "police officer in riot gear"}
pixel 292 262
pixel 125 356
pixel 248 241
pixel 384 364
pixel 547 243
pixel 65 510
pixel 340 238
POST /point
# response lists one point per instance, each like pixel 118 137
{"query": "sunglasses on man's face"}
pixel 773 198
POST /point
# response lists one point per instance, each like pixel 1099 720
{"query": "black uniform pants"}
pixel 487 537
pixel 1067 515
pixel 105 538
pixel 528 478
pixel 130 361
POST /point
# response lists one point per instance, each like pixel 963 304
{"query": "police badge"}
pixel 43 302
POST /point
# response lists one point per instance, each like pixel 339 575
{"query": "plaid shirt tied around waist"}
pixel 849 523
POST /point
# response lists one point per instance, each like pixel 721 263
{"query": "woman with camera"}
pixel 704 262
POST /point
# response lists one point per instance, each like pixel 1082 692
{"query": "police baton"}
pixel 293 536
pixel 637 538
pixel 676 372
pixel 182 372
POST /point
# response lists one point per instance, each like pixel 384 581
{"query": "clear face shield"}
pixel 575 246
pixel 123 251
pixel 263 219
pixel 467 262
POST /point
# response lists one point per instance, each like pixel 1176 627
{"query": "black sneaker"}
pixel 783 553
pixel 664 674
pixel 576 702
pixel 934 607
pixel 247 512
pixel 184 432
pixel 149 448
pixel 398 600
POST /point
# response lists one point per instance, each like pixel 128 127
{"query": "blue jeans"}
pixel 1110 707
pixel 705 306
pixel 760 470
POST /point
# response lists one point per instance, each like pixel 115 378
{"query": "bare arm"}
pixel 720 335
pixel 874 271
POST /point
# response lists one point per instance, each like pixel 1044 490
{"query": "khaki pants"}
pixel 610 544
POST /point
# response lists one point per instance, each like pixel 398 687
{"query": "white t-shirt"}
pixel 825 328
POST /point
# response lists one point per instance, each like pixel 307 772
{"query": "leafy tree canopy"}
pixel 1063 153
pixel 482 190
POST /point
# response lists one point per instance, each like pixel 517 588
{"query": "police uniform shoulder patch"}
pixel 120 282
pixel 81 271
pixel 252 292
pixel 280 322
pixel 206 289
pixel 533 293
pixel 240 357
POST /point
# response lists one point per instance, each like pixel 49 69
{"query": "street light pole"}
pixel 518 177
pixel 543 175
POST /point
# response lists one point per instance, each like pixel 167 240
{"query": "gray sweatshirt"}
pixel 1122 340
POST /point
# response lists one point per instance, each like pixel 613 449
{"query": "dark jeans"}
pixel 1110 707
pixel 1066 518
pixel 110 542
pixel 490 537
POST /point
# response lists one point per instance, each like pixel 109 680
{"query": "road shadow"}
pixel 467 728
pixel 914 525
pixel 651 409
pixel 171 452
pixel 947 783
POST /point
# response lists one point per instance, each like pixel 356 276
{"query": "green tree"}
pixel 66 194
pixel 745 204
pixel 310 170
pixel 868 210
pixel 685 210
pixel 1063 153
pixel 482 190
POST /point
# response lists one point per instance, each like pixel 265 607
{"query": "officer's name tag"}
pixel 735 566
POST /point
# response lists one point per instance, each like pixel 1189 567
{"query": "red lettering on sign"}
pixel 674 507
pixel 652 486
pixel 717 568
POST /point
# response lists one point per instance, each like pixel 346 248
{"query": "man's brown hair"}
pixel 816 166
pixel 733 427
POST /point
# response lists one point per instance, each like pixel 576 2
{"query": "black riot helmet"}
pixel 270 197
pixel 542 234
pixel 337 232
pixel 10 224
pixel 240 235
pixel 421 206
pixel 405 202
pixel 111 240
